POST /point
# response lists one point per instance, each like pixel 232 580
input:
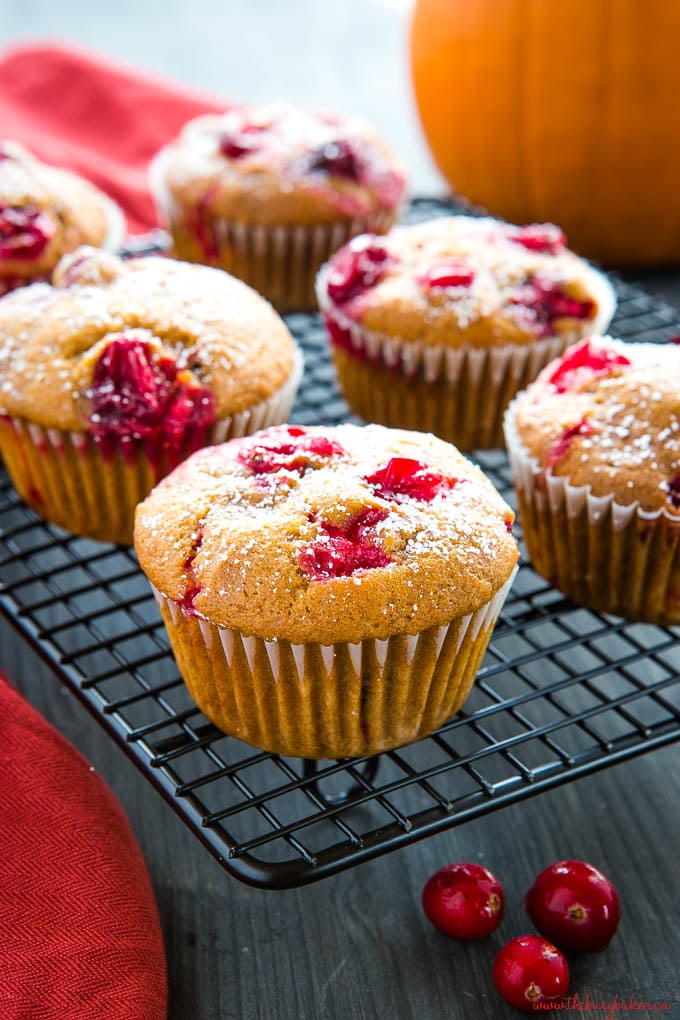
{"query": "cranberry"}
pixel 341 551
pixel 136 394
pixel 464 900
pixel 561 446
pixel 25 232
pixel 542 237
pixel 234 144
pixel 585 360
pixel 452 273
pixel 546 301
pixel 188 599
pixel 528 971
pixel 575 906
pixel 286 449
pixel 402 476
pixel 673 489
pixel 356 267
pixel 337 158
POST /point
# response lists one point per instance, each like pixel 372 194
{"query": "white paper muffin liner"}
pixel 329 701
pixel 279 260
pixel 67 479
pixel 611 557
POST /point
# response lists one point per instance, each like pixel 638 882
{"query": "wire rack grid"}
pixel 563 691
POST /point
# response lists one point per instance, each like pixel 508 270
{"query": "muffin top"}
pixel 127 348
pixel 44 213
pixel 607 415
pixel 460 280
pixel 276 164
pixel 327 534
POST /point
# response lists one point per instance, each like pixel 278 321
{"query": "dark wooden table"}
pixel 356 946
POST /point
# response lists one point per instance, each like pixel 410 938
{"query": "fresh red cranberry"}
pixel 402 476
pixel 528 971
pixel 546 301
pixel 337 158
pixel 575 906
pixel 288 448
pixel 136 394
pixel 25 232
pixel 341 551
pixel 673 489
pixel 452 273
pixel 561 446
pixel 464 901
pixel 542 237
pixel 585 360
pixel 356 267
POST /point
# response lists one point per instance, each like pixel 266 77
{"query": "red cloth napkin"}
pixel 95 116
pixel 79 931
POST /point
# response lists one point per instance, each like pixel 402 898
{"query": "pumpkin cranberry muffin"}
pixel 594 445
pixel 270 192
pixel 119 370
pixel 328 592
pixel 46 212
pixel 437 326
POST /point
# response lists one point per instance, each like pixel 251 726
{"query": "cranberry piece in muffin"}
pixel 270 192
pixel 447 320
pixel 44 213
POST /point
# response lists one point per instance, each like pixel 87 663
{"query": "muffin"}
pixel 594 445
pixel 270 192
pixel 45 213
pixel 437 326
pixel 119 370
pixel 328 592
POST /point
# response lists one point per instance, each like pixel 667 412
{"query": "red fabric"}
pixel 94 116
pixel 79 931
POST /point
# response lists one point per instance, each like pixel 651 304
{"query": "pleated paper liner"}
pixel 609 557
pixel 459 393
pixel 279 261
pixel 329 701
pixel 72 480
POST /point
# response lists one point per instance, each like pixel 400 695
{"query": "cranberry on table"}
pixel 529 970
pixel 464 901
pixel 575 906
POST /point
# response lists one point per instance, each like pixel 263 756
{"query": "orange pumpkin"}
pixel 562 110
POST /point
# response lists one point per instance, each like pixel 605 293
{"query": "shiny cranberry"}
pixel 528 971
pixel 402 476
pixel 561 446
pixel 464 900
pixel 341 551
pixel 452 273
pixel 542 237
pixel 575 906
pixel 286 449
pixel 546 301
pixel 25 232
pixel 356 267
pixel 585 360
pixel 337 158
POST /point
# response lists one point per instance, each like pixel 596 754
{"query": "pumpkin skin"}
pixel 559 110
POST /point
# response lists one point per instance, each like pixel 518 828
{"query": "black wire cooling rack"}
pixel 562 692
